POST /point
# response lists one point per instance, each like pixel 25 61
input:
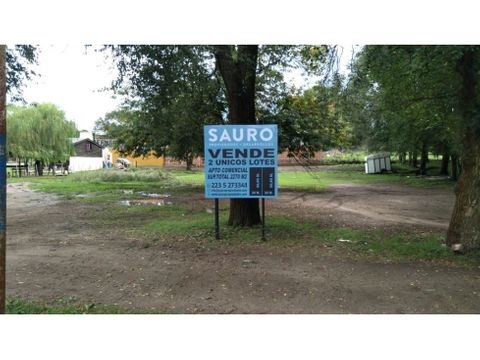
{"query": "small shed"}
pixel 88 156
pixel 377 163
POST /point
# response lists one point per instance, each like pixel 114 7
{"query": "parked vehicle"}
pixel 122 163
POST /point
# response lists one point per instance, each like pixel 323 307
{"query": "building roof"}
pixel 76 141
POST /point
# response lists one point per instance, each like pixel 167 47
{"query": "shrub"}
pixel 115 175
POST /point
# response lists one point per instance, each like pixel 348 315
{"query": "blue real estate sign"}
pixel 240 161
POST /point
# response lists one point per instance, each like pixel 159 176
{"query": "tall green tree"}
pixel 248 74
pixel 237 66
pixel 464 229
pixel 172 92
pixel 427 98
pixel 311 119
pixel 19 61
pixel 39 132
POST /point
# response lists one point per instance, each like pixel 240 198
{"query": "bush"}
pixel 115 175
pixel 352 157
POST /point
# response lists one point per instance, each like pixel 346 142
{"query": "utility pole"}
pixel 3 176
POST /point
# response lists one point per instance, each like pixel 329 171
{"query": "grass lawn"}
pixel 321 180
pixel 157 222
pixel 178 180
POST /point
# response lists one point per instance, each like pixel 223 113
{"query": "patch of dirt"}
pixel 59 250
pixel 372 205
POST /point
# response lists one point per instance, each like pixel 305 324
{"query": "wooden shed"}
pixel 87 148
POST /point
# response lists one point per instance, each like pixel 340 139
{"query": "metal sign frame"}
pixel 241 162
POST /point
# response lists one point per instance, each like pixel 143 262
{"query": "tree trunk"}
pixel 444 163
pixel 189 162
pixel 414 159
pixel 38 167
pixel 424 159
pixel 237 66
pixel 244 212
pixel 454 167
pixel 464 226
pixel 464 230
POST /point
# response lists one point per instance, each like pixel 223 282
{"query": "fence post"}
pixel 3 177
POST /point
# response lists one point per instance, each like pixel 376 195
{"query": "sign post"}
pixel 263 219
pixel 3 177
pixel 241 162
pixel 217 220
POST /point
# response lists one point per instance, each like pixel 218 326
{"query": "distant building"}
pixel 89 155
pixel 110 154
pixel 149 160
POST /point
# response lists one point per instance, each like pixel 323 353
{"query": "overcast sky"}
pixel 72 77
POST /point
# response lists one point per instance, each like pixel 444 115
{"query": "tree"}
pixel 311 120
pixel 18 61
pixel 238 65
pixel 408 97
pixel 464 229
pixel 428 99
pixel 155 75
pixel 173 91
pixel 39 132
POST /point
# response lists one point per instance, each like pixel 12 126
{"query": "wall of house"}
pixel 87 149
pixel 142 161
pixel 82 163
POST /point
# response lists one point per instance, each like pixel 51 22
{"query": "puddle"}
pixel 84 196
pixel 146 202
pixel 154 195
pixel 145 194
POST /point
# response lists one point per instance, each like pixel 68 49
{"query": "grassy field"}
pixel 321 180
pixel 109 187
pixel 153 180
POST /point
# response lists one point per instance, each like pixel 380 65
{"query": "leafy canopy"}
pixel 406 96
pixel 18 61
pixel 39 132
pixel 170 92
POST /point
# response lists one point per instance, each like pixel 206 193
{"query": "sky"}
pixel 74 78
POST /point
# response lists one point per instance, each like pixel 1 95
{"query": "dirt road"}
pixel 57 251
pixel 374 205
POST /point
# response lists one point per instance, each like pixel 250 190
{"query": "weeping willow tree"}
pixel 39 132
